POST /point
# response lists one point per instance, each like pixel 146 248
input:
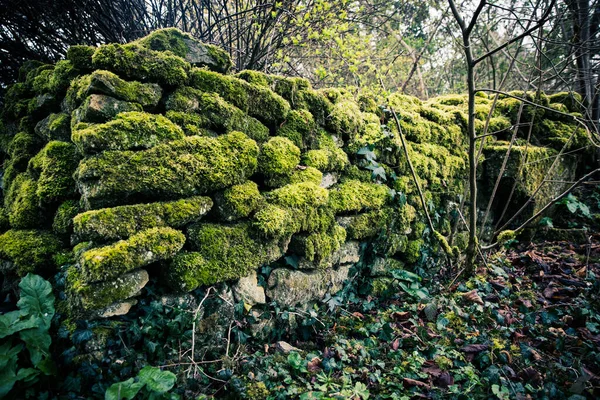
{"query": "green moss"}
pixel 54 165
pixel 21 148
pixel 258 101
pixel 223 252
pixel 128 131
pixel 107 83
pixel 298 175
pixel 134 61
pixel 413 251
pixel 141 249
pixel 300 128
pixel 22 204
pixel 300 196
pixel 367 225
pixel 181 168
pixel 101 108
pixel 4 222
pixel 345 119
pixel 239 201
pixel 279 156
pixel 317 103
pixel 354 195
pixel 100 295
pixel 81 56
pixel 506 236
pixel 185 46
pixel 214 113
pixel 63 219
pixel 272 221
pixel 16 101
pixel 558 134
pixel 571 100
pixel 64 72
pixel 54 127
pixel 318 246
pixel 255 77
pixel 120 222
pixel 327 160
pixel 192 124
pixel 30 250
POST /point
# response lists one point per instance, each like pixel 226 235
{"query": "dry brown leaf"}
pixel 473 297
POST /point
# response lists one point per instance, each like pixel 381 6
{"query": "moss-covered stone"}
pixel 238 201
pixel 356 196
pixel 81 56
pixel 134 61
pixel 16 101
pixel 21 148
pixel 258 101
pixel 327 160
pixel 571 100
pixel 120 222
pixel 301 196
pixel 222 252
pixel 214 113
pixel 101 108
pixel 182 168
pixel 413 251
pixel 54 166
pixel 128 131
pixel 298 175
pixel 29 250
pixel 272 221
pixel 141 249
pixel 22 204
pixel 279 156
pixel 191 50
pixel 99 295
pixel 318 246
pixel 63 219
pixel 107 83
pixel 54 127
pixel 345 118
pixel 300 128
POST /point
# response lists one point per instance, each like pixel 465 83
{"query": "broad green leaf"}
pixel 8 353
pixel 36 298
pixel 406 275
pixel 8 376
pixel 27 374
pixel 11 322
pixel 38 343
pixel 156 379
pixel 123 390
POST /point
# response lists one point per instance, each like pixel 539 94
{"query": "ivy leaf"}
pixel 36 298
pixel 156 379
pixel 123 390
pixel 405 275
pixel 292 261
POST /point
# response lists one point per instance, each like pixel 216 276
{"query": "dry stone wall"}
pixel 150 158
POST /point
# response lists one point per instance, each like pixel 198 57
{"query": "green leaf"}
pixel 123 390
pixel 12 323
pixel 405 275
pixel 157 380
pixel 8 376
pixel 27 374
pixel 36 298
pixel 295 360
pixel 38 343
pixel 8 354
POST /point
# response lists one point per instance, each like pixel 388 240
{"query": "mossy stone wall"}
pixel 128 162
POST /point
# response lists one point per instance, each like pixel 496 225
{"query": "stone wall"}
pixel 124 162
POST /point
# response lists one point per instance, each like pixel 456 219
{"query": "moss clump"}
pixel 222 252
pixel 258 101
pixel 81 56
pixel 572 100
pixel 16 101
pixel 55 80
pixel 104 82
pixel 130 130
pixel 181 168
pixel 345 119
pixel 141 249
pixel 54 127
pixel 21 148
pixel 63 219
pixel 300 128
pixel 301 196
pixel 214 113
pixel 22 204
pixel 100 295
pixel 366 225
pixel 272 221
pixel 506 236
pixel 354 195
pixel 239 201
pixel 123 221
pixel 29 250
pixel 134 61
pixel 279 156
pixel 54 165
pixel 318 246
pixel 185 46
pixel 298 175
pixel 413 251
pixel 326 160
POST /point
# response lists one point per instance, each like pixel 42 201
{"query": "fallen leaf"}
pixel 413 382
pixel 474 348
pixel 473 297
